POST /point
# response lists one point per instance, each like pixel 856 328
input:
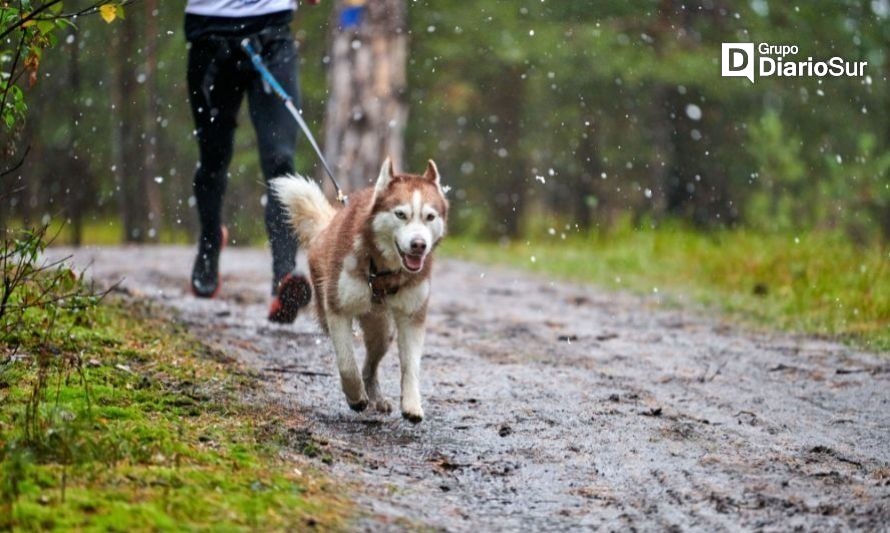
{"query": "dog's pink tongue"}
pixel 414 262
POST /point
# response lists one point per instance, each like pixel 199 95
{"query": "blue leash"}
pixel 289 104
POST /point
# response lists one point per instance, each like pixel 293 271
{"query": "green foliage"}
pixel 604 93
pixel 502 92
pixel 815 283
pixel 856 193
pixel 34 289
pixel 781 188
pixel 27 29
pixel 853 194
pixel 110 419
pixel 22 50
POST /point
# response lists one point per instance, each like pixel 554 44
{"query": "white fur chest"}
pixel 353 292
pixel 409 300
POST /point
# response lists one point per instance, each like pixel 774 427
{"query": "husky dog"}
pixel 371 261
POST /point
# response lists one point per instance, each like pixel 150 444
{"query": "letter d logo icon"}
pixel 737 60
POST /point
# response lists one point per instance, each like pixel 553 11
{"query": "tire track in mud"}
pixel 558 406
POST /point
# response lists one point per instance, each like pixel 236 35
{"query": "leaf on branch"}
pixel 45 26
pixel 108 12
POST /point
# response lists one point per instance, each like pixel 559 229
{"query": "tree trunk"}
pixel 127 123
pixel 76 193
pixel 367 107
pixel 693 188
pixel 123 76
pixel 150 122
pixel 510 181
pixel 583 186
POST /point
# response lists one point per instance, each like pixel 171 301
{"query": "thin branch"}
pixel 19 24
pixel 93 9
pixel 15 63
pixel 16 166
pixel 31 16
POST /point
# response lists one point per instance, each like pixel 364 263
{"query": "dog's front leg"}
pixel 410 340
pixel 378 335
pixel 340 328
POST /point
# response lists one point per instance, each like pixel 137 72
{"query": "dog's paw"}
pixel 415 417
pixel 381 405
pixel 358 406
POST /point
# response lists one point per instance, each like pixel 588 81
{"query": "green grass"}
pixel 106 232
pixel 110 232
pixel 140 427
pixel 815 283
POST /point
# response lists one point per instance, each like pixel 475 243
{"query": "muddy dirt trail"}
pixel 557 406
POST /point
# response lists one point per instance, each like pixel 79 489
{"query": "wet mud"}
pixel 558 406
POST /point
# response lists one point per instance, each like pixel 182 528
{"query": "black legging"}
pixel 219 73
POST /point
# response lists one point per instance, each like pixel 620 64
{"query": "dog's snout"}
pixel 418 246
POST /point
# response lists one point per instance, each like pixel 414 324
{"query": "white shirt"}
pixel 238 8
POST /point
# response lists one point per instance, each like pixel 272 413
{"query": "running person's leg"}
pixel 215 94
pixel 277 141
pixel 277 138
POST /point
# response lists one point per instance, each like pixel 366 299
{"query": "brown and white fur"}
pixel 397 224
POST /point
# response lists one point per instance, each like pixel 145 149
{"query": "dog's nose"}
pixel 418 246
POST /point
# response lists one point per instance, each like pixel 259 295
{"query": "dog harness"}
pixel 381 283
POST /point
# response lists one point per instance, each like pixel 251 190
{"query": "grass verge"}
pixel 815 283
pixel 127 423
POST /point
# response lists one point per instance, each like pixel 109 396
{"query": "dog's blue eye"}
pixel 401 215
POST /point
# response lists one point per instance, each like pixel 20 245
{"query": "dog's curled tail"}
pixel 308 209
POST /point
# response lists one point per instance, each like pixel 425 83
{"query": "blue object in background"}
pixel 351 16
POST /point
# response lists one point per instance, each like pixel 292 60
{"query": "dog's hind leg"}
pixel 410 340
pixel 377 330
pixel 340 329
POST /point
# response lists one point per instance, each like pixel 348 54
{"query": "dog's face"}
pixel 409 215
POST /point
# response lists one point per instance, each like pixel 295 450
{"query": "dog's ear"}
pixel 432 172
pixel 386 175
